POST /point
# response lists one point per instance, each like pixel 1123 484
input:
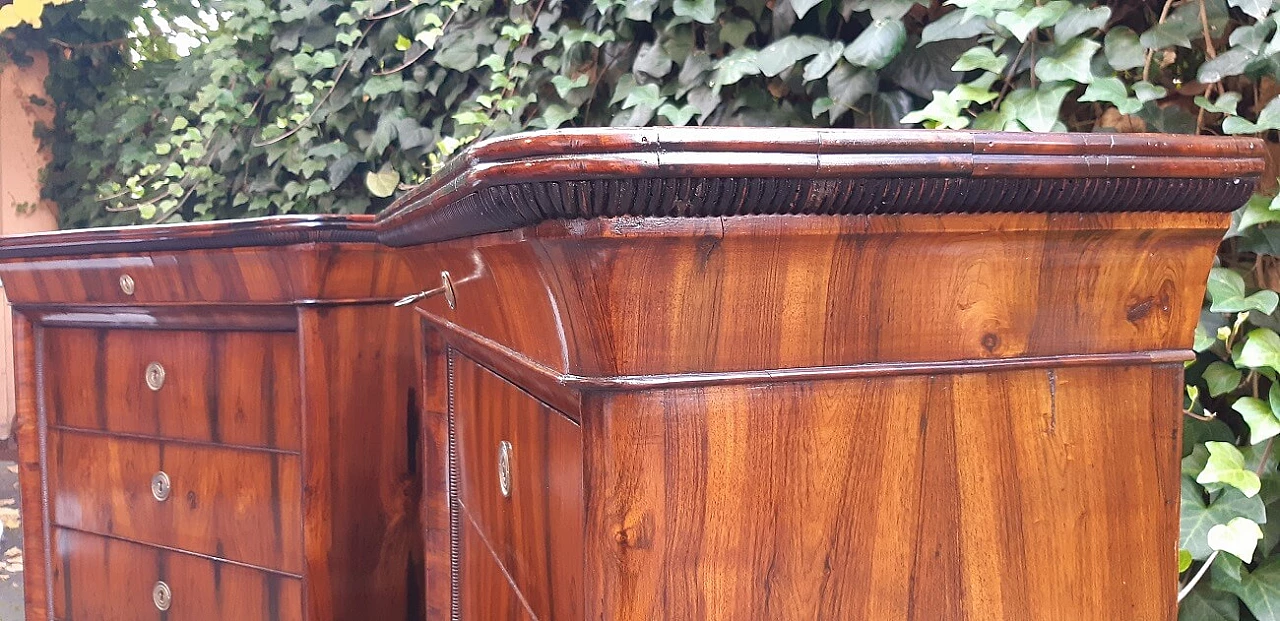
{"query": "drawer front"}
pixel 240 505
pixel 238 388
pixel 101 579
pixel 536 527
pixel 486 593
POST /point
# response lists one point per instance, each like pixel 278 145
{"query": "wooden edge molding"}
pixel 521 180
pixel 548 385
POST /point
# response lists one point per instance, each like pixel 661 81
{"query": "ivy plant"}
pixel 325 106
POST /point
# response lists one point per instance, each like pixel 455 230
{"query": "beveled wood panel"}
pixel 536 533
pixel 663 296
pixel 239 505
pixel 970 497
pixel 241 275
pixel 486 593
pixel 102 579
pixel 362 467
pixel 237 388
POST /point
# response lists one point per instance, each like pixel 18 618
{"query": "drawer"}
pixel 486 595
pixel 239 388
pixel 235 504
pixel 536 529
pixel 102 579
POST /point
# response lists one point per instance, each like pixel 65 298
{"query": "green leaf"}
pixel 1221 378
pixel 1123 49
pixel 678 116
pixel 1146 91
pixel 1257 211
pixel 1022 23
pixel 1226 64
pixel 1112 90
pixel 1257 9
pixel 943 112
pixel 1037 109
pixel 824 62
pixel 953 25
pixel 179 123
pixel 1227 290
pixel 986 8
pixel 1184 560
pixel 1261 350
pixel 1079 19
pixel 787 51
pixel 978 90
pixel 564 85
pixel 403 43
pixel 1071 62
pixel 382 183
pixel 1258 415
pixel 1226 466
pixel 735 32
pixel 981 57
pixel 1197 517
pixel 884 9
pixel 1260 590
pixel 1226 104
pixel 877 45
pixel 648 95
pixel 641 10
pixel 703 11
pixel 847 84
pixel 737 65
pixel 1205 604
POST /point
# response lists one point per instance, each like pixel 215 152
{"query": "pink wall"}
pixel 21 210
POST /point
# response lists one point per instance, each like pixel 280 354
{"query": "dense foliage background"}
pixel 323 106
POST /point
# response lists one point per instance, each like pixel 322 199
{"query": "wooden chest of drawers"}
pixel 197 447
pixel 651 374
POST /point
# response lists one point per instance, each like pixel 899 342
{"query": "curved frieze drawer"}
pixel 104 579
pixel 236 388
pixel 239 505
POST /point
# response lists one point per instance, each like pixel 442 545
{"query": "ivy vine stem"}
pixel 1191 584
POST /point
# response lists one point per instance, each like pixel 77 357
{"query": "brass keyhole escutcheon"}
pixel 126 284
pixel 155 376
pixel 161 596
pixel 161 486
pixel 504 468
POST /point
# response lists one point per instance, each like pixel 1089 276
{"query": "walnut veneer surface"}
pixel 670 374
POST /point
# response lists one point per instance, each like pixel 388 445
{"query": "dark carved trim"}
pixel 525 179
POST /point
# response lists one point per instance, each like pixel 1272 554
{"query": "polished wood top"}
pixel 524 179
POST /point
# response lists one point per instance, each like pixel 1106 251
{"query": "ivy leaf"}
pixel 1037 109
pixel 981 57
pixel 986 8
pixel 564 85
pixel 1022 23
pixel 382 183
pixel 953 25
pixel 878 44
pixel 1257 211
pixel 1261 350
pixel 1184 560
pixel 1123 49
pixel 648 95
pixel 1197 517
pixel 737 65
pixel 847 84
pixel 703 11
pixel 1260 590
pixel 787 51
pixel 1226 104
pixel 801 7
pixel 735 31
pixel 1112 90
pixel 1146 91
pixel 1228 63
pixel 1221 378
pixel 1226 466
pixel 678 116
pixel 1203 604
pixel 1079 19
pixel 652 60
pixel 1238 537
pixel 943 112
pixel 882 9
pixel 825 61
pixel 1252 38
pixel 641 10
pixel 1258 415
pixel 978 90
pixel 1257 9
pixel 1227 290
pixel 1071 62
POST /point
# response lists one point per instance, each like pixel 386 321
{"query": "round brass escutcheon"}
pixel 161 596
pixel 161 486
pixel 504 468
pixel 155 375
pixel 126 284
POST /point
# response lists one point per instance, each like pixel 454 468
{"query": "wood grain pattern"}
pixel 102 579
pixel 619 297
pixel 537 533
pixel 29 430
pixel 236 388
pixel 1006 495
pixel 102 484
pixel 487 594
pixel 361 464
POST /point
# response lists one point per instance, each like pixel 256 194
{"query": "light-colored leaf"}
pixel 1221 378
pixel 1261 350
pixel 1226 466
pixel 1079 19
pixel 382 183
pixel 1238 537
pixel 877 45
pixel 1257 414
pixel 1071 62
pixel 981 57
